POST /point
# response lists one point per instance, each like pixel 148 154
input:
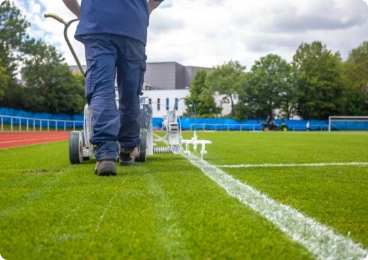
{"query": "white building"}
pixel 160 100
pixel 163 100
pixel 166 82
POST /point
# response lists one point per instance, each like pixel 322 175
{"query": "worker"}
pixel 114 34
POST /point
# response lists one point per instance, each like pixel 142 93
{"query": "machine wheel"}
pixel 75 147
pixel 85 158
pixel 142 157
pixel 83 139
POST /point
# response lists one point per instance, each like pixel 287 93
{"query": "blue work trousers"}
pixel 113 57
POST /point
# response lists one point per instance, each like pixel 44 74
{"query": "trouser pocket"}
pixel 90 80
pixel 141 79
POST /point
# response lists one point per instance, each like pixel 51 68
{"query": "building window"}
pixel 167 103
pixel 158 104
pixel 176 103
pixel 150 101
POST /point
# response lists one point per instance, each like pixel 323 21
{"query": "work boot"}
pixel 127 156
pixel 105 168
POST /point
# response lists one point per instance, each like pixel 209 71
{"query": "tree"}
pixel 289 94
pixel 12 34
pixel 355 71
pixel 49 81
pixel 320 81
pixel 48 84
pixel 202 97
pixel 246 96
pixel 270 85
pixel 3 81
pixel 227 80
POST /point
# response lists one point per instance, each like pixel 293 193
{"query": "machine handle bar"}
pixel 57 18
pixel 66 27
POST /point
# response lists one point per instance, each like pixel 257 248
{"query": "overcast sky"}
pixel 208 33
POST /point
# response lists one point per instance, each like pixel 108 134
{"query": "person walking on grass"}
pixel 114 34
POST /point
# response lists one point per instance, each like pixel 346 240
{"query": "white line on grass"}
pixel 103 214
pixel 106 208
pixel 294 165
pixel 320 240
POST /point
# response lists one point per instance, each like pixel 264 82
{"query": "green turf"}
pixel 166 208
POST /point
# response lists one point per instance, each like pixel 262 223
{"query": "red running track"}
pixel 13 139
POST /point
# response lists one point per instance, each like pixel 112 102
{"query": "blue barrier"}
pixel 226 124
pixel 21 113
pixel 210 124
pixel 157 123
pixel 338 125
pixel 43 120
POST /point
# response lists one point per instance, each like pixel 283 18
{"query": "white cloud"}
pixel 211 32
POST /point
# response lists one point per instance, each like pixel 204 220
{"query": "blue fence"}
pixel 43 120
pixel 349 126
pixel 226 124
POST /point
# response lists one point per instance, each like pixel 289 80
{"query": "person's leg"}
pixel 130 76
pixel 100 94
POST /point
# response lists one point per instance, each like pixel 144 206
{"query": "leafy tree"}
pixel 242 110
pixel 227 80
pixel 48 85
pixel 290 93
pixel 15 96
pixel 3 81
pixel 202 97
pixel 270 85
pixel 320 81
pixel 355 71
pixel 12 34
pixel 49 81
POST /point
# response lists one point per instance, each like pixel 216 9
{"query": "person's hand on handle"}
pixel 153 4
pixel 73 6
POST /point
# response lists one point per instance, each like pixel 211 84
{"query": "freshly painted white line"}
pixel 103 214
pixel 108 206
pixel 320 240
pixel 294 165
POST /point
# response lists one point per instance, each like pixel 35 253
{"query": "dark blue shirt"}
pixel 123 17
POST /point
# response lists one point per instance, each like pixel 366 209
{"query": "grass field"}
pixel 172 207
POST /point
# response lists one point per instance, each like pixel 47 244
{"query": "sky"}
pixel 209 33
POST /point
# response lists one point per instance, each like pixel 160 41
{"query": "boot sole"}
pixel 107 169
pixel 124 163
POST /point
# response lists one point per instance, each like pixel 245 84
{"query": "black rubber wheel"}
pixel 142 157
pixel 75 147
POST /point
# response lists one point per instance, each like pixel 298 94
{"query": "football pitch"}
pixel 256 195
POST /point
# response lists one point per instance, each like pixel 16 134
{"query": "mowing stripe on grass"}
pixel 320 240
pixel 294 165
